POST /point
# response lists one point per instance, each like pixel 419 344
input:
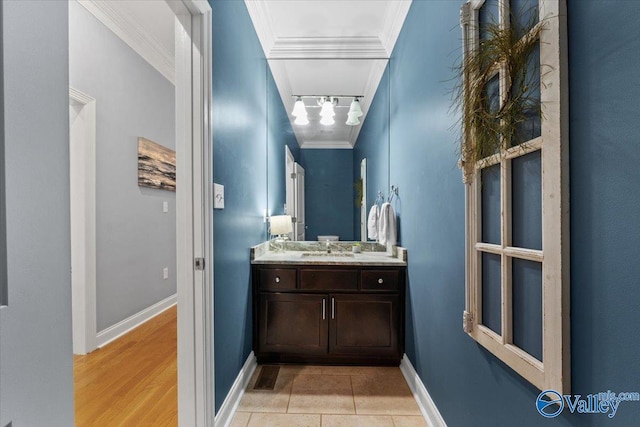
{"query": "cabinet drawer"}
pixel 277 278
pixel 380 280
pixel 334 280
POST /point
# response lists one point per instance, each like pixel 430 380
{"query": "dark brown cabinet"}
pixel 293 323
pixel 328 314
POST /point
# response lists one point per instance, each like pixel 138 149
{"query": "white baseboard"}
pixel 425 402
pixel 105 336
pixel 231 402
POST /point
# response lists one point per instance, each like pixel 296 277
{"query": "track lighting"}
pixel 327 105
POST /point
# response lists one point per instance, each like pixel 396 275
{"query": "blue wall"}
pixel 605 201
pixel 280 134
pixel 329 192
pixel 239 163
pixel 250 130
pixel 469 385
pixel 373 144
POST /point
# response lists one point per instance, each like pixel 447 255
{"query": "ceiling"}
pixel 314 47
pixel 327 47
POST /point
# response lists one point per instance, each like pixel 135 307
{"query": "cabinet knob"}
pixel 380 281
pixel 277 279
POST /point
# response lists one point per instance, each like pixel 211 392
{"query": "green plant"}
pixel 491 120
pixel 358 187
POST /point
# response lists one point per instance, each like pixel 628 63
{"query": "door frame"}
pixel 299 183
pixel 82 167
pixel 194 213
pixel 363 202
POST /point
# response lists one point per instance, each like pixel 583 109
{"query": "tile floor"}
pixel 330 396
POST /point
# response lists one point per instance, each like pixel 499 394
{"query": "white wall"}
pixel 135 239
pixel 36 364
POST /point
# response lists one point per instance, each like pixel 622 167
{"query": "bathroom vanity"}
pixel 310 306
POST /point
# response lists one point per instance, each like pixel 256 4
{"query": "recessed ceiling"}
pixel 327 48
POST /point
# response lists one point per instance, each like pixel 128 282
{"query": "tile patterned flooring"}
pixel 330 396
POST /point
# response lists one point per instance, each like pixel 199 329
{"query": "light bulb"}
pixel 302 120
pixel 299 108
pixel 327 109
pixel 354 108
pixel 327 120
pixel 352 119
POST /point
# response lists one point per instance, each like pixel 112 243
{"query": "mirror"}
pixel 328 159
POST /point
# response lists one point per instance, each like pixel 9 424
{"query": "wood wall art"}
pixel 156 165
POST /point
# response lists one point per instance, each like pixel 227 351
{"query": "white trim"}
pixel 397 11
pixel 228 408
pixel 105 336
pixel 372 47
pixel 80 97
pixel 346 145
pixel 194 214
pixel 262 22
pixel 328 48
pixel 82 174
pixel 425 402
pixel 363 203
pixel 134 35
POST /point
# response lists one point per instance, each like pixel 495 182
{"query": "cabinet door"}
pixel 364 324
pixel 293 323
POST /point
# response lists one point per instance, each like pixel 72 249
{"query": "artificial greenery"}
pixel 487 126
pixel 358 186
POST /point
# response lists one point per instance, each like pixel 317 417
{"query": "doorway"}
pixel 193 213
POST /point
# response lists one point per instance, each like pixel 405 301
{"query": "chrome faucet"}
pixel 329 244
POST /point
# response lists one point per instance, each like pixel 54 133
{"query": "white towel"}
pixel 372 222
pixel 387 230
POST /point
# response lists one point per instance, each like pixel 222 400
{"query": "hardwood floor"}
pixel 131 381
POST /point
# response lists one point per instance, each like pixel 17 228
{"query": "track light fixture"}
pixel 327 105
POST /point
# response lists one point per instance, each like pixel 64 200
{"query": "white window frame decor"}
pixel 553 371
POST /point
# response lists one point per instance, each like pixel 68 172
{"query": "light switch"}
pixel 218 196
pixel 165 207
pixel 165 273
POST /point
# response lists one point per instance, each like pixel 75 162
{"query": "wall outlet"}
pixel 165 207
pixel 165 273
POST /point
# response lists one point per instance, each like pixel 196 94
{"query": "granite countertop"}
pixel 314 253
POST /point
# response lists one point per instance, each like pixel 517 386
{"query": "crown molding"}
pixel 131 33
pixel 81 97
pixel 341 145
pixel 395 16
pixel 275 47
pixel 262 22
pixel 327 48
